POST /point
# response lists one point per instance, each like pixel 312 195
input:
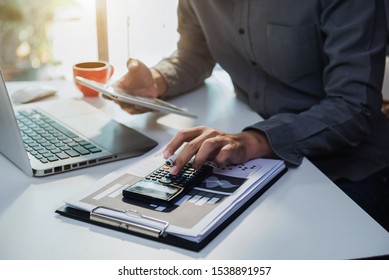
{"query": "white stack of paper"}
pixel 195 215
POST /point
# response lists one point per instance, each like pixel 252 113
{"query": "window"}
pixel 143 29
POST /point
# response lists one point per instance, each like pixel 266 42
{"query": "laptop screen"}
pixel 11 144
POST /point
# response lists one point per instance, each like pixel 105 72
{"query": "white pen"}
pixel 170 161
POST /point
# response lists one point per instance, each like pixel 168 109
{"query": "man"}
pixel 312 68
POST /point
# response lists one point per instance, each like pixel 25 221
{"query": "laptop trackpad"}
pixel 109 134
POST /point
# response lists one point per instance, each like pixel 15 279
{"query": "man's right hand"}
pixel 140 81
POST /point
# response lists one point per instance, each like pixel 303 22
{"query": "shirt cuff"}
pixel 169 73
pixel 281 140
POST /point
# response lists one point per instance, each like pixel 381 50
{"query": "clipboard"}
pixel 156 234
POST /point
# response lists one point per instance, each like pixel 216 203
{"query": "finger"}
pixel 139 74
pixel 191 148
pixel 132 109
pixel 233 152
pixel 185 135
pixel 208 150
pixel 185 155
pixel 134 64
pixel 227 154
pixel 151 92
pixel 124 82
pixel 135 111
pixel 107 97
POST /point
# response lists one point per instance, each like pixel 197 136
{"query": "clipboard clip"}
pixel 130 225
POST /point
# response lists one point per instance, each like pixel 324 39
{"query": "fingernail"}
pixel 166 154
pixel 195 166
pixel 174 170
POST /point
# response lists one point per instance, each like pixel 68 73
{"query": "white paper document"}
pixel 196 214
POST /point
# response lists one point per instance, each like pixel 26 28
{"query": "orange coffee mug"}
pixel 99 71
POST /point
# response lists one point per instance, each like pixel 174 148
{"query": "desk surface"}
pixel 303 216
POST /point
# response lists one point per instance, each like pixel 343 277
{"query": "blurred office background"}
pixel 42 39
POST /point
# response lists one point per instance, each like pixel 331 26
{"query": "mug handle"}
pixel 111 70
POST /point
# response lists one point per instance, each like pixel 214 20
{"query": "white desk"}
pixel 302 216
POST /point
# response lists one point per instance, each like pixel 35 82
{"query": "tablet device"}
pixel 119 95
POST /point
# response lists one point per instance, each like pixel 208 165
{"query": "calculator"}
pixel 162 188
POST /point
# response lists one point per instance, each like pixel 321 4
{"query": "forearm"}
pixel 183 73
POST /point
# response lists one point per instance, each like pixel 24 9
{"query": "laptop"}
pixel 62 135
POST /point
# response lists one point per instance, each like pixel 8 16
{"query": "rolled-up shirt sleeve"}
pixel 188 67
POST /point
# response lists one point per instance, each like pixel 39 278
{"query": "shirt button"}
pixel 241 31
pixel 253 63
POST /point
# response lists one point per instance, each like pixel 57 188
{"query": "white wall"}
pixel 74 38
pixel 142 29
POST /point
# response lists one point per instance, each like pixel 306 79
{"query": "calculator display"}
pixel 162 188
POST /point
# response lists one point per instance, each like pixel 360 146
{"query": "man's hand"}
pixel 205 143
pixel 140 81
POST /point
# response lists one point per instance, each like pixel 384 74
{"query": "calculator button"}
pixel 165 180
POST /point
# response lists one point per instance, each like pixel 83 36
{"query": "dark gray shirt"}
pixel 312 68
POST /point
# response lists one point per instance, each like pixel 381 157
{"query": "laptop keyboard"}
pixel 49 141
